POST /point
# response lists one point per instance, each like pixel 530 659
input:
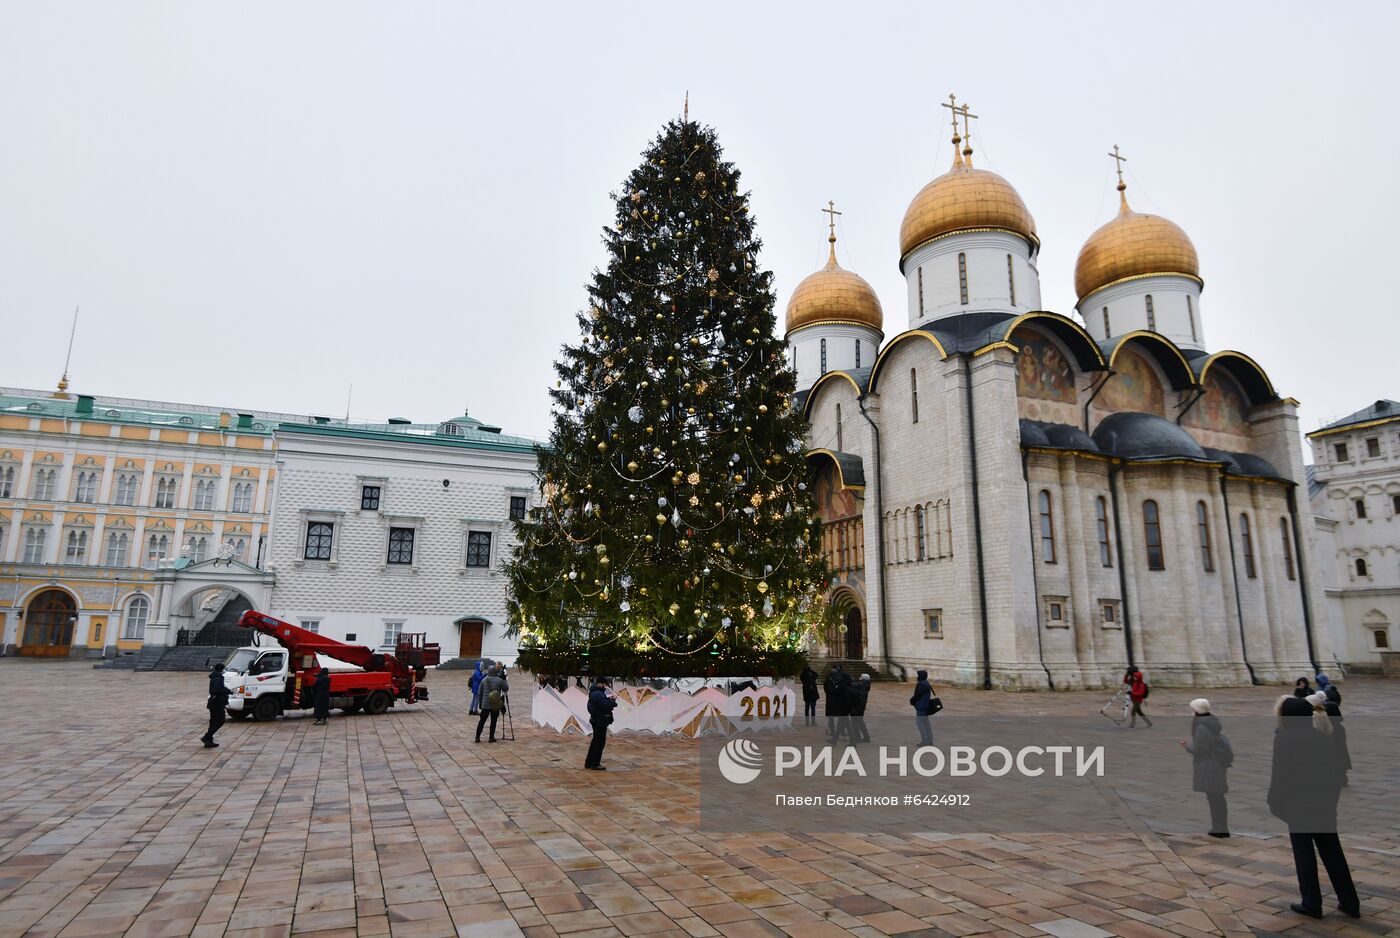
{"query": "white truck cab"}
pixel 252 673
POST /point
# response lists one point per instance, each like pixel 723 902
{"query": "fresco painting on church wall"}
pixel 1220 418
pixel 1134 388
pixel 833 501
pixel 1045 387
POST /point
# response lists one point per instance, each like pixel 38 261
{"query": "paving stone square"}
pixel 114 821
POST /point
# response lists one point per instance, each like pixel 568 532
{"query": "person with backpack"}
pixel 493 700
pixel 1137 692
pixel 810 695
pixel 1211 758
pixel 475 684
pixel 925 703
pixel 601 704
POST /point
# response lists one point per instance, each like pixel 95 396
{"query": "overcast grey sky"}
pixel 258 204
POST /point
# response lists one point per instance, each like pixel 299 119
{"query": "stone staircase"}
pixel 190 658
pixel 143 660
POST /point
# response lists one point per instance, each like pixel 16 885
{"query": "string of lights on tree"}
pixel 675 518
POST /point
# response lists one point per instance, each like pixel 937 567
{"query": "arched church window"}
pixel 1047 527
pixel 1395 504
pixel 1203 529
pixel 1011 278
pixel 962 277
pixel 857 353
pixel 914 393
pixel 823 356
pixel 1361 566
pixel 1360 504
pixel 1152 535
pixel 839 447
pixel 1247 542
pixel 1107 329
pixel 1287 549
pixel 1151 315
pixel 1101 520
pixel 921 291
pixel 1191 317
pixel 920 534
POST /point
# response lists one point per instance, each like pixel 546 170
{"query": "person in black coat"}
pixel 1304 788
pixel 1301 687
pixel 1210 753
pixel 838 704
pixel 859 696
pixel 321 697
pixel 810 694
pixel 832 686
pixel 922 702
pixel 601 704
pixel 217 704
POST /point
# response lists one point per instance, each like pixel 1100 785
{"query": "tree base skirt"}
pixel 674 711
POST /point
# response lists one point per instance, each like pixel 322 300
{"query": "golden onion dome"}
pixel 836 295
pixel 1133 245
pixel 963 199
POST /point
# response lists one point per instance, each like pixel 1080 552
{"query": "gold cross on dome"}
pixel 831 214
pixel 1119 160
pixel 968 117
pixel 952 105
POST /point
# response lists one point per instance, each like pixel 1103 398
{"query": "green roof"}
pixel 467 432
pixel 139 413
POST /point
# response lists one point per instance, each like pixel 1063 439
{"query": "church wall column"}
pixel 1225 550
pixel 875 611
pixel 1013 619
pixel 1081 549
pixel 1187 574
pixel 1131 495
pixel 1276 437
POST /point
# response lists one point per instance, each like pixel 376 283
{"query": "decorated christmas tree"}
pixel 675 532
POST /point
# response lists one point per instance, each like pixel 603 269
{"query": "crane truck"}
pixel 265 681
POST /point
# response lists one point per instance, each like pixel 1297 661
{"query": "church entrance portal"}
pixel 48 625
pixel 855 635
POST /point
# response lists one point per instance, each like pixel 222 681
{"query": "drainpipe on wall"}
pixel 1114 469
pixel 1035 574
pixel 1200 393
pixel 1107 375
pixel 1235 573
pixel 1302 576
pixel 977 530
pixel 880 546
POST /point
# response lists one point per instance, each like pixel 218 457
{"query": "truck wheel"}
pixel 267 708
pixel 378 703
pixel 236 715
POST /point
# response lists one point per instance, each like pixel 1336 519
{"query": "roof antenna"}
pixel 67 359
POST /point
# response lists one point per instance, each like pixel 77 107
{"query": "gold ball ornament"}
pixel 648 538
pixel 763 408
pixel 602 446
pixel 632 467
pixel 660 519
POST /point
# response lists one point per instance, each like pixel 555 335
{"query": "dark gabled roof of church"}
pixel 1381 410
pixel 967 332
pixel 858 376
pixel 1038 433
pixel 851 467
pixel 1245 464
pixel 1146 436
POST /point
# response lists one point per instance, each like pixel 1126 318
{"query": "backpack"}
pixel 1146 690
pixel 495 700
pixel 1224 752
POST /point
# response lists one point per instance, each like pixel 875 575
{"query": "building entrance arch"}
pixel 855 633
pixel 48 624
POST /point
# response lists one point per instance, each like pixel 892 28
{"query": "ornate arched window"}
pixel 1101 522
pixel 1152 536
pixel 1247 547
pixel 1203 531
pixel 138 612
pixel 1047 527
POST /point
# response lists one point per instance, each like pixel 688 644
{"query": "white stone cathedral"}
pixel 1023 499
